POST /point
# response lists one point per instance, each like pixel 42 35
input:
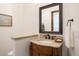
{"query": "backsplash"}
pixel 50 36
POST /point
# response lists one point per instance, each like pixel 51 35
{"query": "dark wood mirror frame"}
pixel 60 18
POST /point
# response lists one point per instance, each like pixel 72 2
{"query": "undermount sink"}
pixel 45 41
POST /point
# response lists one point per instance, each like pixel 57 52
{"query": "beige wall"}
pixel 25 19
pixel 25 22
pixel 6 43
pixel 71 10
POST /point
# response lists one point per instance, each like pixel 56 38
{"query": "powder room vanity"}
pixel 50 21
pixel 45 47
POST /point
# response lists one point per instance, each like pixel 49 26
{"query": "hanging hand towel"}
pixel 67 34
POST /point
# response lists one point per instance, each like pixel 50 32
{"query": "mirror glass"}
pixel 50 19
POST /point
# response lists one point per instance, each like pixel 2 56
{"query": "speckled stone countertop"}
pixel 46 42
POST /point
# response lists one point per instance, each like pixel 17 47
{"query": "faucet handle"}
pixel 47 36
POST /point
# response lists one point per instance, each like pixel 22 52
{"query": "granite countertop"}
pixel 47 42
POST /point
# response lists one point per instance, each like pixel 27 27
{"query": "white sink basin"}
pixel 45 41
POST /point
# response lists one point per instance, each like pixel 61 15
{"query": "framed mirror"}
pixel 50 18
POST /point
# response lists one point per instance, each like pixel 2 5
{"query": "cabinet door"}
pixel 34 47
pixel 34 53
pixel 45 51
pixel 34 50
pixel 57 51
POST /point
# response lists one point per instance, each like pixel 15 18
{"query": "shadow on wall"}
pixel 64 50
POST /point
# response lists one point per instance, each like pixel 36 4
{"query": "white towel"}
pixel 69 37
pixel 72 39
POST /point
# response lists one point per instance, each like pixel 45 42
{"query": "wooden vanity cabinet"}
pixel 38 50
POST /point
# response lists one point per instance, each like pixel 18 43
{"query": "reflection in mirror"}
pixel 55 21
pixel 51 18
pixel 47 18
